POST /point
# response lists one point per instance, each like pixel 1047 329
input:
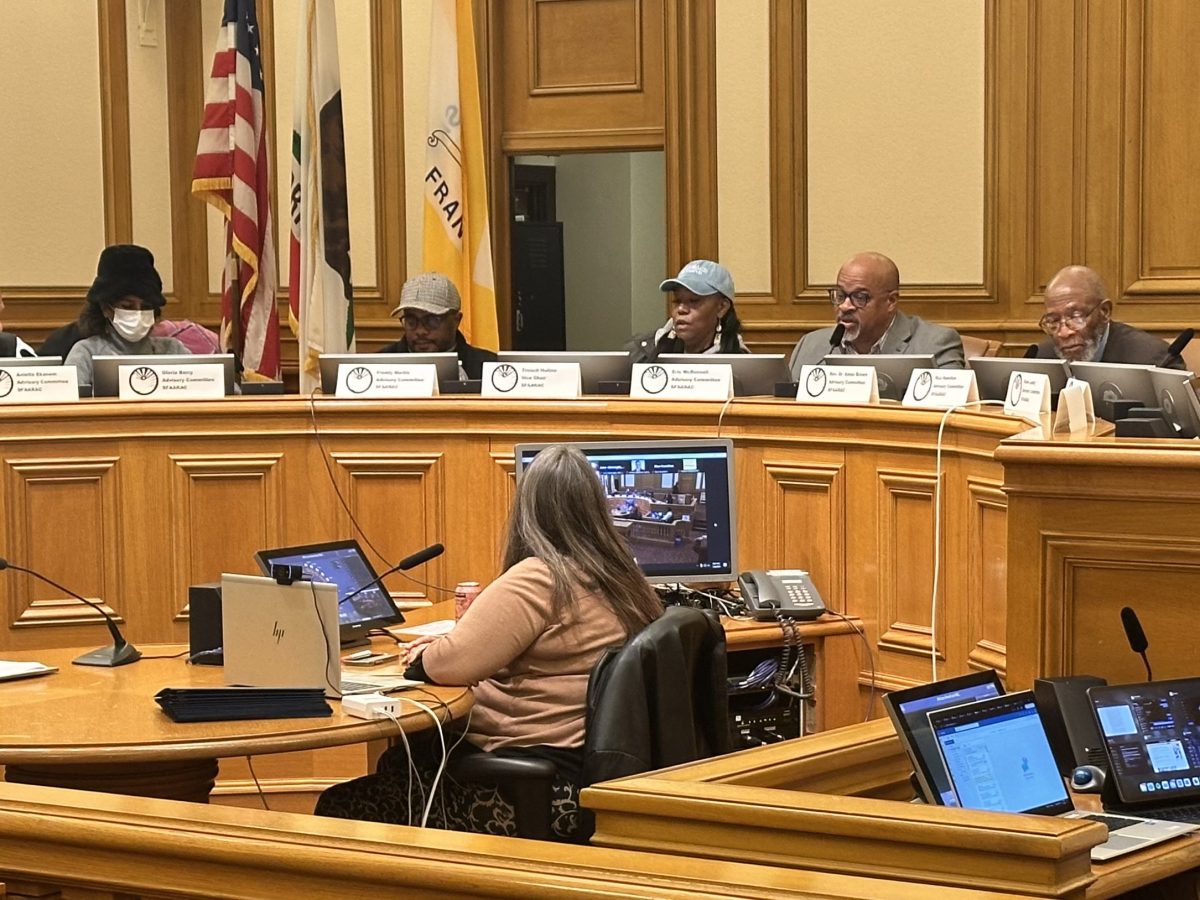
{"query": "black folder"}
pixel 232 703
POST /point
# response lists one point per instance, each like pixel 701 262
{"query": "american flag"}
pixel 231 174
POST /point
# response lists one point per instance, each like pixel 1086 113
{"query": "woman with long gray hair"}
pixel 570 589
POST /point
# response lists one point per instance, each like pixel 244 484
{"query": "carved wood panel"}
pixel 986 577
pixel 904 541
pixel 805 511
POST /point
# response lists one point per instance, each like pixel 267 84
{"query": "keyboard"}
pixel 385 683
pixel 1112 822
pixel 1190 814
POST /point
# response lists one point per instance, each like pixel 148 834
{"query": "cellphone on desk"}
pixel 375 659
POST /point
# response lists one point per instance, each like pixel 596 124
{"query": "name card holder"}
pixel 941 388
pixel 532 381
pixel 1075 410
pixel 1028 396
pixel 838 384
pixel 390 380
pixel 39 384
pixel 681 381
pixel 171 381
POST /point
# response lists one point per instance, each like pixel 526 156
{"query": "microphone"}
pixel 1030 352
pixel 1136 637
pixel 839 331
pixel 409 562
pixel 119 654
pixel 1176 349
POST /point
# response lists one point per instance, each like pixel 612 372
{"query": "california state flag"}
pixel 457 239
pixel 320 299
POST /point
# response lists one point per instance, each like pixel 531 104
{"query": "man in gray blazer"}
pixel 1081 327
pixel 865 300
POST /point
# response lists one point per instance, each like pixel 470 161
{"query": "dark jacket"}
pixel 470 358
pixel 1126 344
pixel 660 700
pixel 60 341
pixel 8 344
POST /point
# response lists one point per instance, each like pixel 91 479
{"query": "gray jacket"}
pixel 908 334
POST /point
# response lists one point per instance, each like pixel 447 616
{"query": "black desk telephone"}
pixel 780 592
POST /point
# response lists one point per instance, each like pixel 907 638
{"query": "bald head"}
pixel 879 268
pixel 1078 310
pixel 868 288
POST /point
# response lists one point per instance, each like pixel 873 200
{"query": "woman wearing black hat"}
pixel 122 305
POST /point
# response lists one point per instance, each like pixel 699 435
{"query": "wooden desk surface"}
pixel 89 715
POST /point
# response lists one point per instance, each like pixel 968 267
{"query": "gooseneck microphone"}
pixel 839 331
pixel 409 562
pixel 1030 352
pixel 1175 351
pixel 1136 637
pixel 119 654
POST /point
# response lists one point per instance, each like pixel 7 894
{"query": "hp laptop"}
pixel 998 758
pixel 1151 734
pixel 909 711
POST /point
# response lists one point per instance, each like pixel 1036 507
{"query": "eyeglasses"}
pixel 859 298
pixel 428 322
pixel 1075 320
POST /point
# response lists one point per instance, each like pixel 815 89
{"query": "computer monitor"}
pixel 446 363
pixel 892 369
pixel 1115 381
pixel 672 501
pixel 754 374
pixel 594 367
pixel 992 374
pixel 343 564
pixel 12 362
pixel 1175 394
pixel 105 369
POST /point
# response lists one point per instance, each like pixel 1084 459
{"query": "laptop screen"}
pixel 909 710
pixel 342 564
pixel 998 756
pixel 1152 736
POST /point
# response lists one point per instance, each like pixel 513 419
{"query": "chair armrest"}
pixel 526 783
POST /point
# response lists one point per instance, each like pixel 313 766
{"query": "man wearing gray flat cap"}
pixel 703 319
pixel 431 309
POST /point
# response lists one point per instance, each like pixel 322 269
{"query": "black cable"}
pixel 870 658
pixel 336 688
pixel 171 656
pixel 383 632
pixel 312 410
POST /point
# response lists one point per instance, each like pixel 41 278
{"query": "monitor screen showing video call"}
pixel 343 564
pixel 671 502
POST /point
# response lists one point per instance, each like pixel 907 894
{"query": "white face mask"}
pixel 133 324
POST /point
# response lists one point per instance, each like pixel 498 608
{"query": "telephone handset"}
pixel 780 592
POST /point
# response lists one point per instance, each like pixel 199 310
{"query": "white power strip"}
pixel 370 706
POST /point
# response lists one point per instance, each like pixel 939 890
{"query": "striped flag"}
pixel 231 174
pixel 320 297
pixel 457 239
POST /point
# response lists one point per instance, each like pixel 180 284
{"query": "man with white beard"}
pixel 865 300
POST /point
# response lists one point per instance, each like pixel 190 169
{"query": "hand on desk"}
pixel 411 652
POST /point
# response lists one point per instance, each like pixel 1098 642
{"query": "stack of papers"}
pixel 230 703
pixel 10 670
pixel 441 626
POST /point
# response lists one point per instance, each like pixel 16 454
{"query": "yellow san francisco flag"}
pixel 457 238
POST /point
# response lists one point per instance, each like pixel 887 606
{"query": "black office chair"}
pixel 638 718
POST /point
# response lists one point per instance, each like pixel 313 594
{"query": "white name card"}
pixel 171 381
pixel 1028 395
pixel 682 381
pixel 367 380
pixel 838 384
pixel 1075 409
pixel 941 388
pixel 531 381
pixel 39 384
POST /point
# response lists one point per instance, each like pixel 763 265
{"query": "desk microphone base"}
pixel 109 657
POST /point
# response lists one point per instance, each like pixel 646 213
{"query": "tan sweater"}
pixel 529 672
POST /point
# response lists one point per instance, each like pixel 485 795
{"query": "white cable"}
pixel 937 526
pixel 722 415
pixel 445 754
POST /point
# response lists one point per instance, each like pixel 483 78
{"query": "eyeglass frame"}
pixel 1075 316
pixel 428 321
pixel 837 296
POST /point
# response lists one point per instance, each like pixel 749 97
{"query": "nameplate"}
pixel 39 384
pixel 531 381
pixel 1075 410
pixel 1028 395
pixel 367 380
pixel 838 384
pixel 941 388
pixel 681 381
pixel 171 381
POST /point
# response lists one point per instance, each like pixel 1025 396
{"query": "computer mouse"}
pixel 1087 779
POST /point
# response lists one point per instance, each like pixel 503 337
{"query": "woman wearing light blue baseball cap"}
pixel 703 319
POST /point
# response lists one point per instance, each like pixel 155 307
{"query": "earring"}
pixel 718 328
